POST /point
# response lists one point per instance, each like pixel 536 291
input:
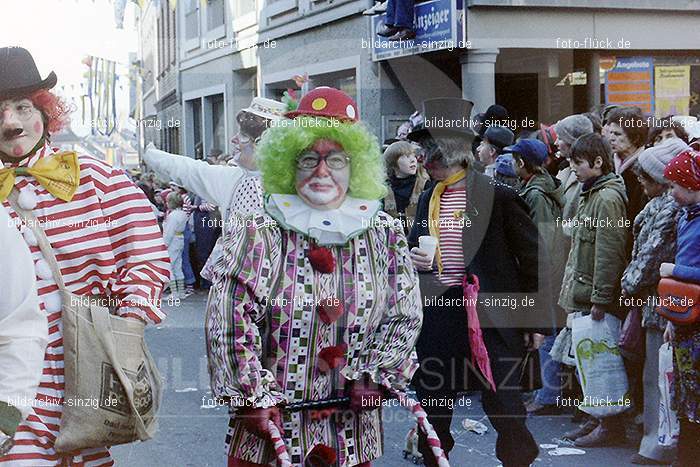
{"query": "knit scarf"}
pixel 434 210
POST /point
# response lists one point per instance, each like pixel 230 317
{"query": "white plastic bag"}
pixel 668 421
pixel 600 366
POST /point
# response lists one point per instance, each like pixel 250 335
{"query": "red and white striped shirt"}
pixel 107 242
pixel 452 204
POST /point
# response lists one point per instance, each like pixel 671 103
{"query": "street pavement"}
pixel 192 427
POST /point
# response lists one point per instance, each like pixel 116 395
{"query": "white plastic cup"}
pixel 428 245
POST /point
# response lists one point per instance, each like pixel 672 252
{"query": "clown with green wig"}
pixel 319 299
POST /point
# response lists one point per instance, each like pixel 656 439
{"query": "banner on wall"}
pixel 672 87
pixel 438 25
pixel 631 82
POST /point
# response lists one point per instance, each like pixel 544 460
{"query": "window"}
pixel 173 35
pixel 191 19
pixel 170 140
pixel 197 128
pixel 215 14
pixel 242 7
pixel 218 123
pixel 161 44
pixel 165 22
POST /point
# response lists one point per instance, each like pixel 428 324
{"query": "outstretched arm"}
pixel 215 183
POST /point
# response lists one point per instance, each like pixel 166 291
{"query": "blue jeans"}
pixel 551 374
pixel 186 265
pixel 399 13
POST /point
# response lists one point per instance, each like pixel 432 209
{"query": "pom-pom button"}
pixel 53 302
pixel 29 237
pixel 321 259
pixel 43 271
pixel 27 199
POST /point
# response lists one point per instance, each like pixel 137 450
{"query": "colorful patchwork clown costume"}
pixel 319 298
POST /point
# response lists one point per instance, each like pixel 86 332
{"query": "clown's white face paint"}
pixel 244 151
pixel 323 187
pixel 21 127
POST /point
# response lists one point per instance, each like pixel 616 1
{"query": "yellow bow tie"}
pixel 59 174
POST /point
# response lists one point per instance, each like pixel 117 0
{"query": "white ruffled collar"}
pixel 332 227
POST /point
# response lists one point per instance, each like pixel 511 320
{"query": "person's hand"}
pixel 366 395
pixel 597 312
pixel 670 332
pixel 421 259
pixel 666 269
pixel 533 340
pixel 255 420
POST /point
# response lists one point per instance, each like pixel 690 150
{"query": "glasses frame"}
pixel 245 138
pixel 22 116
pixel 319 158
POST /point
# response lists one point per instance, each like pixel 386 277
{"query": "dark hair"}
pixel 605 112
pixel 632 122
pixel 449 150
pixel 251 124
pixel 596 121
pixel 533 169
pixel 666 124
pixel 590 146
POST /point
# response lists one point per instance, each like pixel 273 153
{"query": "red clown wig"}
pixel 56 111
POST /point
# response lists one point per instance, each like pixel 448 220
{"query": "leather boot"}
pixel 610 432
pixel 582 430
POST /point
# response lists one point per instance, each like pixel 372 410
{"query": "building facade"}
pixel 218 70
pixel 540 60
pixel 168 105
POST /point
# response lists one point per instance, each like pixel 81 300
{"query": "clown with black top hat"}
pixel 487 248
pixel 100 228
pixel 319 298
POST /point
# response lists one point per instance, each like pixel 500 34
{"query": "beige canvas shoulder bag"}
pixel 113 389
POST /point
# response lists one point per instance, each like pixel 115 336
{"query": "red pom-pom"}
pixel 320 456
pixel 331 357
pixel 330 309
pixel 321 259
pixel 321 414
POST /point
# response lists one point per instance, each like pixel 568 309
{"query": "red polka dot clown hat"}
pixel 327 102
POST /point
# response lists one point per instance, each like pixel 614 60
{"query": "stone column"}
pixel 478 78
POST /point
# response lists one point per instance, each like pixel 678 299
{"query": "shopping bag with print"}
pixel 600 366
pixel 669 427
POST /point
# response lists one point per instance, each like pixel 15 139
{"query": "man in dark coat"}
pixel 494 239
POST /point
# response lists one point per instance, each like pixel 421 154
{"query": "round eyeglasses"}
pixel 244 138
pixel 22 111
pixel 311 160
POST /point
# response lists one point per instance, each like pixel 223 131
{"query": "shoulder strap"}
pixel 100 316
pixel 32 222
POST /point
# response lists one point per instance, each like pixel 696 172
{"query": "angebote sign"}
pixel 630 82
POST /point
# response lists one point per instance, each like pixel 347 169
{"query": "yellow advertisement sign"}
pixel 672 90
